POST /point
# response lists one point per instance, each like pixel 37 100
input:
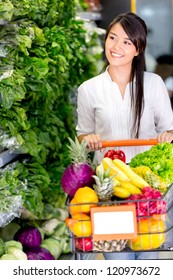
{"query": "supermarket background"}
pixel 48 48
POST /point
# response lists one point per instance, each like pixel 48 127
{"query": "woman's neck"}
pixel 120 76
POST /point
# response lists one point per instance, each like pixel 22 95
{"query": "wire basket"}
pixel 122 226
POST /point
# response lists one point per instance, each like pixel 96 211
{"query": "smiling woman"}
pixel 124 101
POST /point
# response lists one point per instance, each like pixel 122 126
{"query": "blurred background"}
pixel 158 15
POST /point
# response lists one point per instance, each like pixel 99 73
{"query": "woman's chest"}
pixel 109 103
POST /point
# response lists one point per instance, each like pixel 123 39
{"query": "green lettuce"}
pixel 159 158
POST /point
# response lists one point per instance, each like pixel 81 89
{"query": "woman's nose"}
pixel 117 45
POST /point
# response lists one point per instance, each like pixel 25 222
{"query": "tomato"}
pixel 116 154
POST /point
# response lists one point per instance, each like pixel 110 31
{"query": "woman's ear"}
pixel 137 53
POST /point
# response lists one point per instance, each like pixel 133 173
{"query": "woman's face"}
pixel 119 50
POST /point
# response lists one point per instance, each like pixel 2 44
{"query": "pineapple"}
pixel 105 183
pixel 110 245
pixel 78 152
pixel 154 180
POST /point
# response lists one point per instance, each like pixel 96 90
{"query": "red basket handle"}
pixel 129 142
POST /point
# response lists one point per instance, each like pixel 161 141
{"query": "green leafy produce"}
pixel 8 257
pixel 45 53
pixel 50 225
pixel 18 253
pixel 15 192
pixel 66 246
pixel 159 158
pixel 2 247
pixel 53 246
pixel 13 243
pixel 12 250
pixel 60 230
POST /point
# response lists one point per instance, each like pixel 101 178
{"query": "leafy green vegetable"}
pixel 2 248
pixel 45 53
pixel 9 257
pixel 159 158
pixel 15 192
pixel 7 233
pixel 53 246
pixel 18 253
pixel 66 246
pixel 13 243
pixel 50 225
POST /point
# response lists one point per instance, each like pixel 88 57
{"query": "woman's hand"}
pixel 165 137
pixel 93 142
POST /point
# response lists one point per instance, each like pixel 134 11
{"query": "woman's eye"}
pixel 127 43
pixel 112 37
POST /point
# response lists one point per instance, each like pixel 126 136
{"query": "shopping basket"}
pixel 119 225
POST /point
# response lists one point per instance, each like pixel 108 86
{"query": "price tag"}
pixel 114 222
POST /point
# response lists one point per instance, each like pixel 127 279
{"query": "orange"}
pixel 87 197
pixel 74 208
pixel 80 225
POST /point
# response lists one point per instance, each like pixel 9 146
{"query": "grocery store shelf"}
pixel 7 156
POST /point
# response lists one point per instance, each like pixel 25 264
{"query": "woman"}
pixel 124 101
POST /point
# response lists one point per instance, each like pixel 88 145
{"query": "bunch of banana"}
pixel 126 189
pixel 133 177
pixel 114 170
pixel 114 177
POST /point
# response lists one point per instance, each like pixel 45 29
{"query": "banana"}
pixel 131 188
pixel 114 170
pixel 132 176
pixel 116 182
pixel 121 192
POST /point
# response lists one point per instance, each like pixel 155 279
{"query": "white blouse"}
pixel 102 110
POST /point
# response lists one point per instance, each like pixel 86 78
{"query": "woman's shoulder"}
pixel 94 81
pixel 151 75
pixel 152 78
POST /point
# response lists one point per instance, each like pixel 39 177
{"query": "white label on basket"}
pixel 114 222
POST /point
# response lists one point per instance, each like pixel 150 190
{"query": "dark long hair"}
pixel 136 30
